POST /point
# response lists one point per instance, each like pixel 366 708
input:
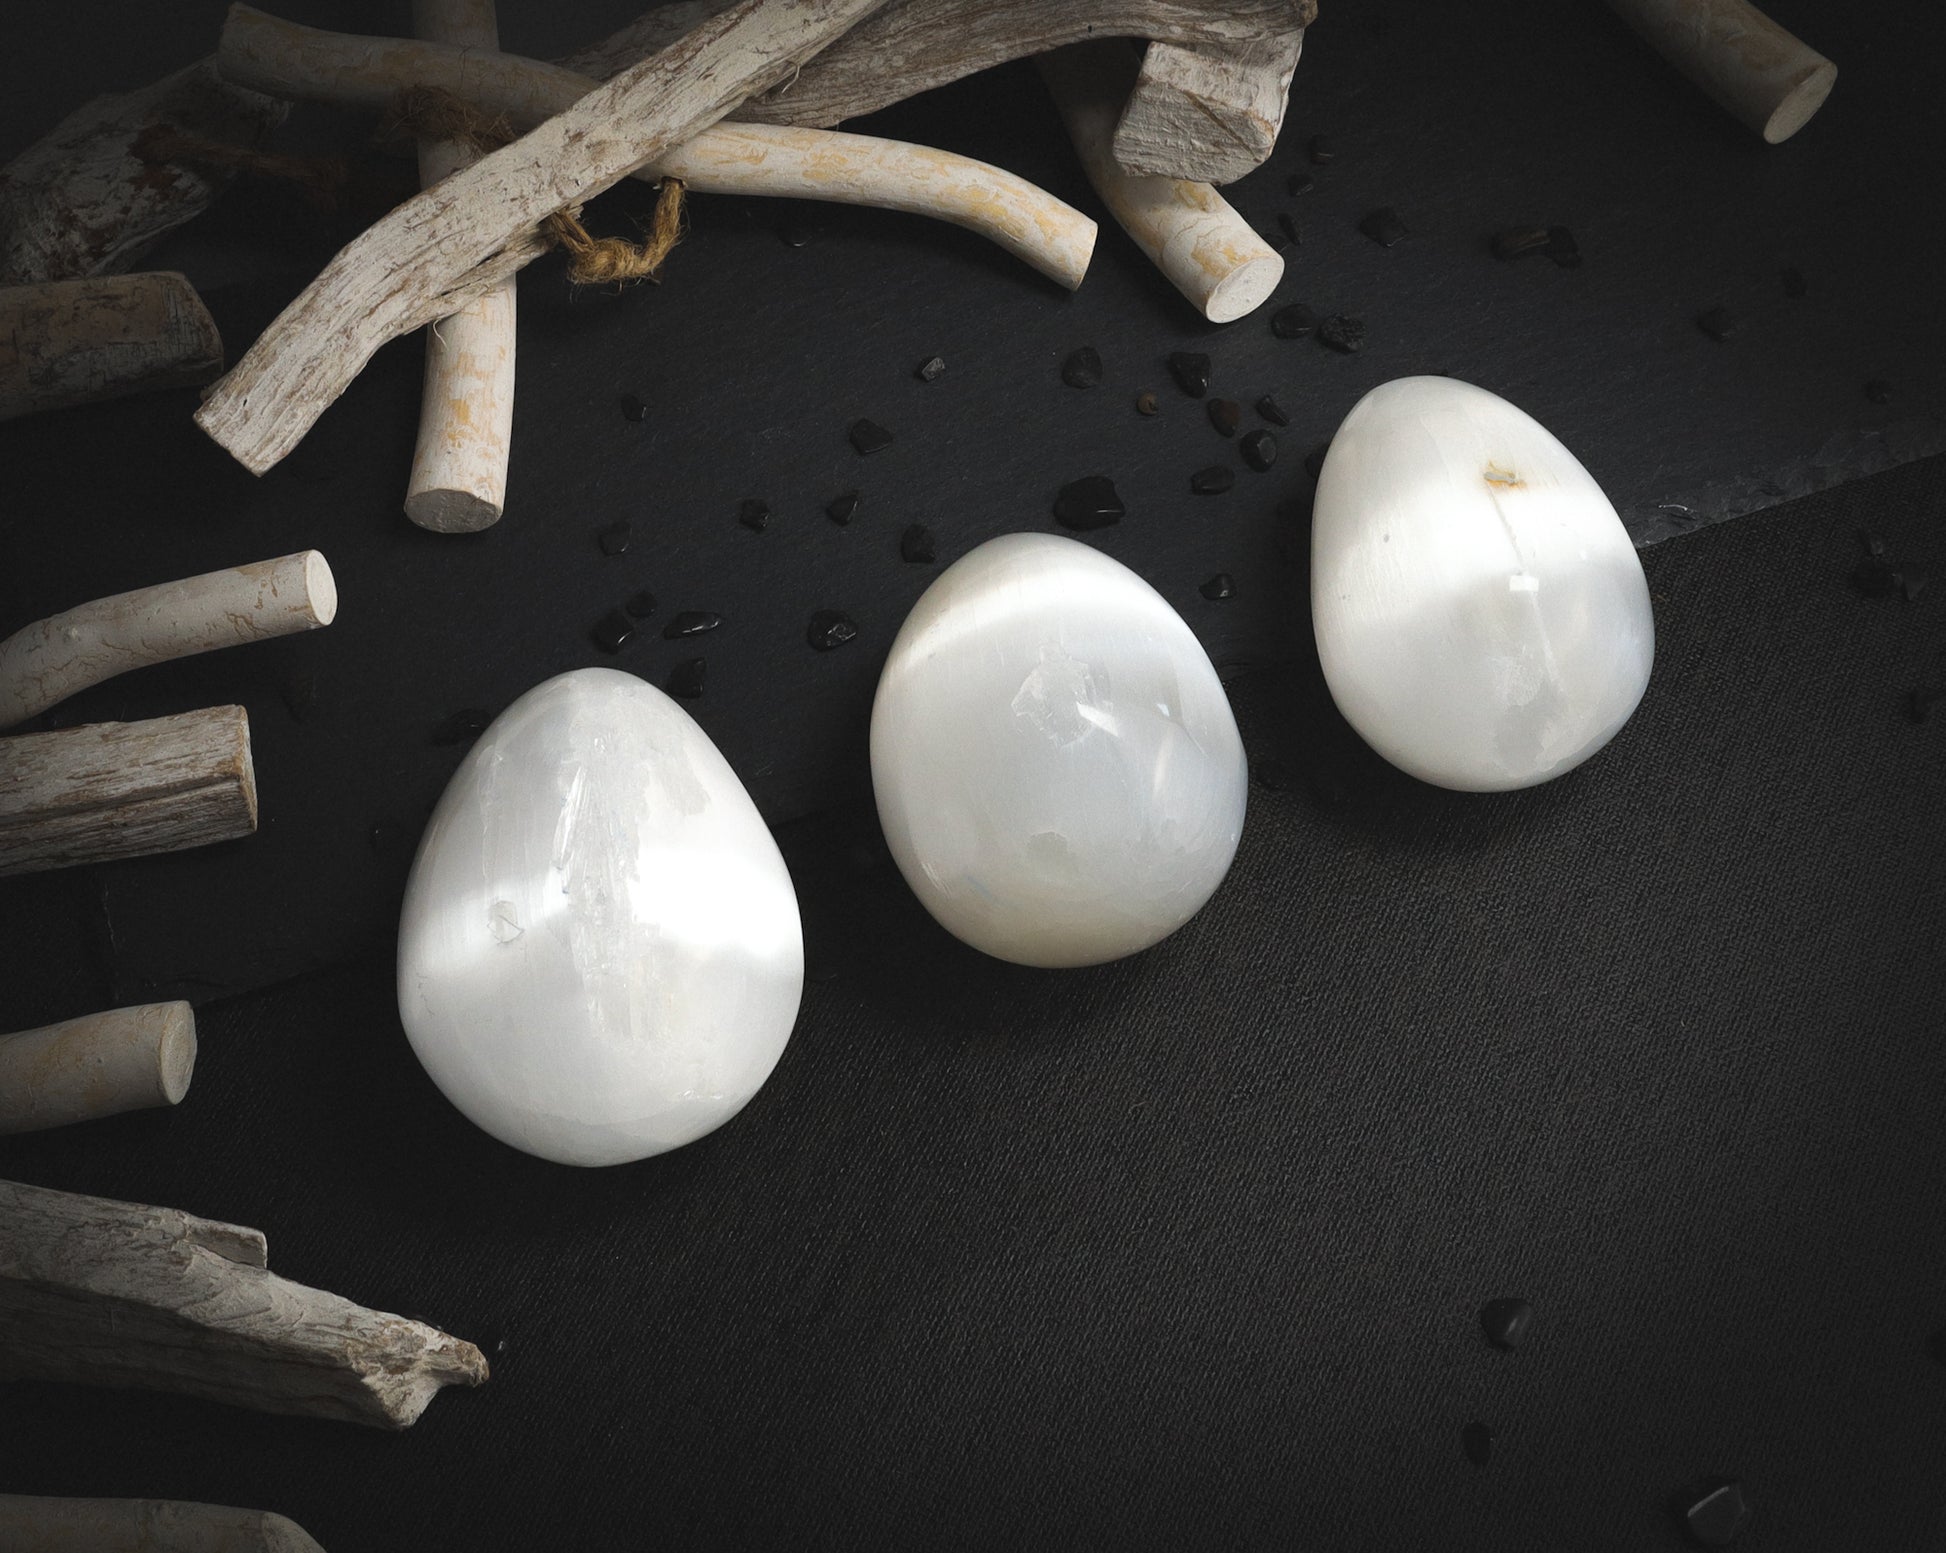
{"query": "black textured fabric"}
pixel 1189 1251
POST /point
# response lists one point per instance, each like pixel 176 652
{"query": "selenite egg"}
pixel 1480 613
pixel 1057 769
pixel 600 956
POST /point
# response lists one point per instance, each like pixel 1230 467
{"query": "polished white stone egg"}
pixel 1057 768
pixel 600 956
pixel 1481 615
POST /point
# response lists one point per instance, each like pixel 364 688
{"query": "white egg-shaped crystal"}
pixel 600 956
pixel 1057 768
pixel 1480 613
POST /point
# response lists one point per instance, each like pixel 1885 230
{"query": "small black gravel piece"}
pixel 1090 502
pixel 754 514
pixel 1213 481
pixel 1219 587
pixel 1083 368
pixel 916 545
pixel 1912 582
pixel 1384 227
pixel 463 726
pixel 1225 415
pixel 869 437
pixel 1287 224
pixel 794 234
pixel 612 630
pixel 300 695
pixel 686 678
pixel 1323 152
pixel 1505 1322
pixel 1879 391
pixel 1342 333
pixel 1259 449
pixel 840 508
pixel 1190 369
pixel 633 409
pixel 930 370
pixel 1716 1517
pixel 1299 183
pixel 1146 402
pixel 1272 775
pixel 614 538
pixel 1293 321
pixel 1314 460
pixel 831 628
pixel 1870 543
pixel 640 605
pixel 1562 248
pixel 1272 411
pixel 1795 285
pixel 1476 1439
pixel 1517 242
pixel 1719 323
pixel 1875 577
pixel 692 622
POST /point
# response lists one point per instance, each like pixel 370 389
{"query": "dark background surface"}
pixel 1186 1250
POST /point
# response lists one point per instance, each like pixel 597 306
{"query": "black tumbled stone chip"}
pixel 1314 460
pixel 1877 578
pixel 1719 323
pixel 1342 333
pixel 869 436
pixel 1505 1322
pixel 1287 224
pixel 1259 449
pixel 1190 369
pixel 614 538
pixel 1213 481
pixel 1146 402
pixel 1912 582
pixel 1323 152
pixel 1090 502
pixel 1562 248
pixel 686 678
pixel 300 695
pixel 1219 587
pixel 794 234
pixel 1272 775
pixel 1225 415
pixel 641 604
pixel 1870 543
pixel 633 409
pixel 1717 1516
pixel 692 622
pixel 612 630
pixel 1299 183
pixel 1879 391
pixel 1476 1439
pixel 929 370
pixel 831 628
pixel 840 508
pixel 1272 411
pixel 1795 285
pixel 754 514
pixel 463 726
pixel 1293 322
pixel 1083 368
pixel 1384 227
pixel 1516 242
pixel 916 545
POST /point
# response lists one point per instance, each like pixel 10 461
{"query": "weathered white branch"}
pixel 458 483
pixel 68 342
pixel 109 790
pixel 127 1059
pixel 33 1524
pixel 85 200
pixel 52 659
pixel 1210 253
pixel 729 158
pixel 1749 66
pixel 120 1294
pixel 461 237
pixel 1209 113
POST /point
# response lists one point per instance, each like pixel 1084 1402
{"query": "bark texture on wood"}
pixel 1209 113
pixel 69 342
pixel 120 1294
pixel 126 1059
pixel 1748 65
pixel 463 236
pixel 111 790
pixel 36 1524
pixel 46 662
pixel 85 200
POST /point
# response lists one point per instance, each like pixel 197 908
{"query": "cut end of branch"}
pixel 175 1052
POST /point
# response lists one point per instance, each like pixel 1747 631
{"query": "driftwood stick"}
pixel 1210 253
pixel 458 483
pixel 1747 64
pixel 111 790
pixel 52 659
pixel 69 342
pixel 114 1294
pixel 461 237
pixel 86 199
pixel 34 1524
pixel 308 65
pixel 1209 113
pixel 127 1059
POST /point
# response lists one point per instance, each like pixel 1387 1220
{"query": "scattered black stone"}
pixel 640 605
pixel 1225 415
pixel 1259 449
pixel 633 409
pixel 692 622
pixel 1562 248
pixel 614 538
pixel 1272 775
pixel 916 545
pixel 1219 587
pixel 1384 227
pixel 1146 402
pixel 1717 1514
pixel 463 726
pixel 1090 502
pixel 1719 323
pixel 1279 243
pixel 1506 1321
pixel 1190 369
pixel 300 695
pixel 1795 285
pixel 930 370
pixel 1272 411
pixel 686 678
pixel 1213 481
pixel 1912 582
pixel 1323 152
pixel 1870 543
pixel 830 628
pixel 1476 1439
pixel 1879 391
pixel 1876 577
pixel 1314 460
pixel 870 437
pixel 1299 183
pixel 1342 333
pixel 794 234
pixel 1293 322
pixel 754 514
pixel 612 630
pixel 1083 368
pixel 1919 702
pixel 1287 224
pixel 840 508
pixel 1557 242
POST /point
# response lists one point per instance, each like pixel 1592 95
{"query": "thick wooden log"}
pixel 1209 113
pixel 1210 253
pixel 120 1294
pixel 69 342
pixel 35 1524
pixel 46 662
pixel 112 790
pixel 352 72
pixel 126 1059
pixel 464 235
pixel 1749 66
pixel 87 200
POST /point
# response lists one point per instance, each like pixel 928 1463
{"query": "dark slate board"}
pixel 755 356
